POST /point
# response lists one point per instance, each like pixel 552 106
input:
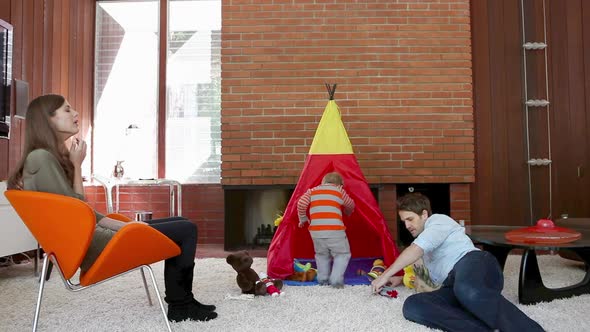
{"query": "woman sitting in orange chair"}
pixel 48 166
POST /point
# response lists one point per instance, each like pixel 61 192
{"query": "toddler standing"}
pixel 327 230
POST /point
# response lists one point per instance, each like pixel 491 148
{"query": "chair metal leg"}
pixel 41 287
pixel 37 254
pixel 159 297
pixel 41 253
pixel 147 291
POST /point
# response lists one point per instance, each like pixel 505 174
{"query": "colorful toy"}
pixel 278 220
pixel 388 292
pixel 298 267
pixel 303 272
pixel 377 270
pixel 544 232
pixel 409 276
pixel 271 289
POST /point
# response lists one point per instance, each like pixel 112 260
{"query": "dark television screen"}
pixel 5 76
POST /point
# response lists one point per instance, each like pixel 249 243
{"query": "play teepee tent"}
pixel 366 229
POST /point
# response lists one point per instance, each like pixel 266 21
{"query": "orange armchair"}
pixel 124 218
pixel 118 216
pixel 64 226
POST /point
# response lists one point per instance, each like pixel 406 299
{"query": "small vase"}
pixel 118 171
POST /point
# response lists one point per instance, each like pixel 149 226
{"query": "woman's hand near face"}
pixel 77 152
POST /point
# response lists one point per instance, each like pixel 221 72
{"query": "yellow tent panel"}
pixel 330 136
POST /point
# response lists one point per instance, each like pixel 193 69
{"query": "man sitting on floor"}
pixel 470 297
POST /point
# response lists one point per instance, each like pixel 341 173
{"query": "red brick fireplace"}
pixel 404 76
pixel 404 88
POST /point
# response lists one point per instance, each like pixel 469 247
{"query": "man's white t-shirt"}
pixel 444 243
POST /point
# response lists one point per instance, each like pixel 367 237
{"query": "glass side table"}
pixel 531 288
pixel 113 205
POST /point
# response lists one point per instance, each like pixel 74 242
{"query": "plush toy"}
pixel 298 267
pixel 278 220
pixel 409 276
pixel 303 272
pixel 271 289
pixel 309 275
pixel 377 270
pixel 247 278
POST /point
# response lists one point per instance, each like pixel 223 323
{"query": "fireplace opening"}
pixel 440 201
pixel 250 214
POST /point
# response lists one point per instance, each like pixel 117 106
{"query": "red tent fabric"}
pixel 366 228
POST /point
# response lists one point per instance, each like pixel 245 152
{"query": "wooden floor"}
pixel 216 251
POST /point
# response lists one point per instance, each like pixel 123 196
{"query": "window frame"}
pixel 161 84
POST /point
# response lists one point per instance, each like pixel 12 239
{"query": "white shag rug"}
pixel 121 304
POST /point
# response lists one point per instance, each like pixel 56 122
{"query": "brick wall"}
pixel 202 204
pixel 387 205
pixel 460 202
pixel 403 70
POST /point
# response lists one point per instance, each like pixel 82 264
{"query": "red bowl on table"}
pixel 544 232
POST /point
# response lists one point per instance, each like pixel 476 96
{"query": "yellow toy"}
pixel 278 220
pixel 409 276
pixel 417 277
pixel 377 270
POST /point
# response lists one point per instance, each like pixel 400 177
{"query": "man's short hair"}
pixel 333 178
pixel 414 202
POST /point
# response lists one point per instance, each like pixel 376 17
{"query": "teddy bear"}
pixel 247 278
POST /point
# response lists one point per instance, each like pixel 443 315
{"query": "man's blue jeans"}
pixel 470 299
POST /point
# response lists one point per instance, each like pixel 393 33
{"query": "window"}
pixel 126 89
pixel 193 123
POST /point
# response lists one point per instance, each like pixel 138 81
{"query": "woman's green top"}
pixel 42 172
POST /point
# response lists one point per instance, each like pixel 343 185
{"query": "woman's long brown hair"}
pixel 40 134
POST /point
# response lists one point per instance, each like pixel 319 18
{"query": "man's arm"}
pixel 409 256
